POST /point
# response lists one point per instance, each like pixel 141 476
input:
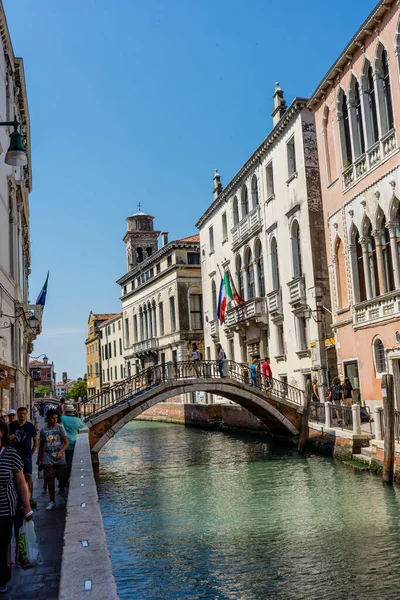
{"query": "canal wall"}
pixel 228 416
pixel 86 570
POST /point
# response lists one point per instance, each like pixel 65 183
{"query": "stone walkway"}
pixel 41 582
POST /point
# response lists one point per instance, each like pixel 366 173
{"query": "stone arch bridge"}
pixel 277 404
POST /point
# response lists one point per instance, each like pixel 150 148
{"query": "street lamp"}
pixel 40 355
pixel 16 155
pixel 11 320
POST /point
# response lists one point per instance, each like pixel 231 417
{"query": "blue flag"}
pixel 41 301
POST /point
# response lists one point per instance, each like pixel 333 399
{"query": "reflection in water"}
pixel 200 514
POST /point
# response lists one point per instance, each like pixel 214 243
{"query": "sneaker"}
pixel 44 492
pixel 51 506
pixel 33 503
pixel 3 589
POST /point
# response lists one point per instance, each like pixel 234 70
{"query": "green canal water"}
pixel 201 514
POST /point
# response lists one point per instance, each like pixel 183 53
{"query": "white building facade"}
pixel 266 227
pixel 16 334
pixel 111 349
pixel 161 297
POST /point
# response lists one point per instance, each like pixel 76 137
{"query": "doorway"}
pixel 351 371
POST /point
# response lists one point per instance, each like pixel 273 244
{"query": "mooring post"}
pixel 304 430
pixel 388 420
pixel 377 424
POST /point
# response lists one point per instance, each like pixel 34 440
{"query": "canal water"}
pixel 200 514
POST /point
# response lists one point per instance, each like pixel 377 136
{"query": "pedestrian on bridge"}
pixel 196 354
pixel 267 373
pixel 255 373
pixel 221 358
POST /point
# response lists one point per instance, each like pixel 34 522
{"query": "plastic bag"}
pixel 28 547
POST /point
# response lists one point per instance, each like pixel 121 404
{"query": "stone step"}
pixel 362 458
pixel 366 451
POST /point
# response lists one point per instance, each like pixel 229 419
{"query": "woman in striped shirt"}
pixel 12 483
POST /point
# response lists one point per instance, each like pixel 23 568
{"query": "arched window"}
pixel 235 211
pixel 296 250
pixel 250 275
pixel 387 94
pixel 359 125
pixel 139 255
pixel 154 310
pixel 214 299
pixel 141 324
pixel 254 192
pixel 387 257
pixel 344 128
pixel 245 202
pixel 379 356
pixel 239 276
pixel 372 263
pixel 135 329
pixel 362 290
pixel 398 233
pixel 372 107
pixel 341 284
pixel 274 265
pixel 260 269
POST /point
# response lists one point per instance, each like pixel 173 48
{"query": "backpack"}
pixel 336 392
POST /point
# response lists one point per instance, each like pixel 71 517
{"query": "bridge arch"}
pixel 281 416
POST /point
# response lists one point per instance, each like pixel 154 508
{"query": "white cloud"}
pixel 64 331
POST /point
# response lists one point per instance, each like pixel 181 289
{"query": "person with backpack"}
pixel 221 358
pixel 336 395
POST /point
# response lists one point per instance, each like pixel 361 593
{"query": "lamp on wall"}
pixel 16 155
pixel 10 320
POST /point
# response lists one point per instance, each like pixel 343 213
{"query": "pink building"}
pixel 357 113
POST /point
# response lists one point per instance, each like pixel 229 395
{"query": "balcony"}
pixel 251 310
pixel 376 310
pixel 214 329
pixel 146 347
pixel 374 155
pixel 247 227
pixel 297 292
pixel 275 304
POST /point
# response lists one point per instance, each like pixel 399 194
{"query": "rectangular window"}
pixel 211 238
pixel 113 327
pixel 302 333
pixel 158 268
pixel 105 352
pixel 195 311
pixel 119 325
pixel 224 227
pixel 172 314
pixel 104 375
pixel 161 317
pixel 269 172
pixel 231 350
pixel 109 350
pixel 126 332
pixel 291 157
pixel 115 347
pixel 208 353
pixel 108 374
pixel 97 369
pixel 108 329
pixel 116 372
pixel 281 340
pixel 193 258
pixel 169 260
pixel 120 344
pixel 122 371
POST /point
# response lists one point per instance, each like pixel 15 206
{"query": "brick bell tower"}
pixel 140 239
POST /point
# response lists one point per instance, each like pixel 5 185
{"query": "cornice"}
pixel 154 258
pixel 293 110
pixel 355 45
pixel 25 124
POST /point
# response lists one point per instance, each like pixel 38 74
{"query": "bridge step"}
pixel 366 451
pixel 362 458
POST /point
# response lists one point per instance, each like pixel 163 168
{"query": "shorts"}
pixel 52 471
pixel 27 466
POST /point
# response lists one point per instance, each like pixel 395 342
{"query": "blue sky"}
pixel 140 101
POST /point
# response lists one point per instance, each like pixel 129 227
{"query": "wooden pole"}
pixel 388 419
pixel 304 418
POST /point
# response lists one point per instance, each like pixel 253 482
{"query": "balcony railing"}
pixel 214 329
pixel 374 155
pixel 252 309
pixel 377 309
pixel 275 303
pixel 246 228
pixel 146 346
pixel 297 291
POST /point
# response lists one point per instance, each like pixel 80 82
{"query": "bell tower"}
pixel 140 239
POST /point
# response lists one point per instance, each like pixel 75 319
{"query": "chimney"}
pixel 217 184
pixel 164 237
pixel 279 104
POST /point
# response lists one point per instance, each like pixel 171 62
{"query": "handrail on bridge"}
pixel 209 369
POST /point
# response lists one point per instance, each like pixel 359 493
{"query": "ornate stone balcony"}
pixel 389 142
pixel 374 155
pixel 214 329
pixel 146 346
pixel 247 227
pixel 297 292
pixel 376 310
pixel 368 161
pixel 255 309
pixel 275 304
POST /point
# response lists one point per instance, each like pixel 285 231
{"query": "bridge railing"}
pixel 214 369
